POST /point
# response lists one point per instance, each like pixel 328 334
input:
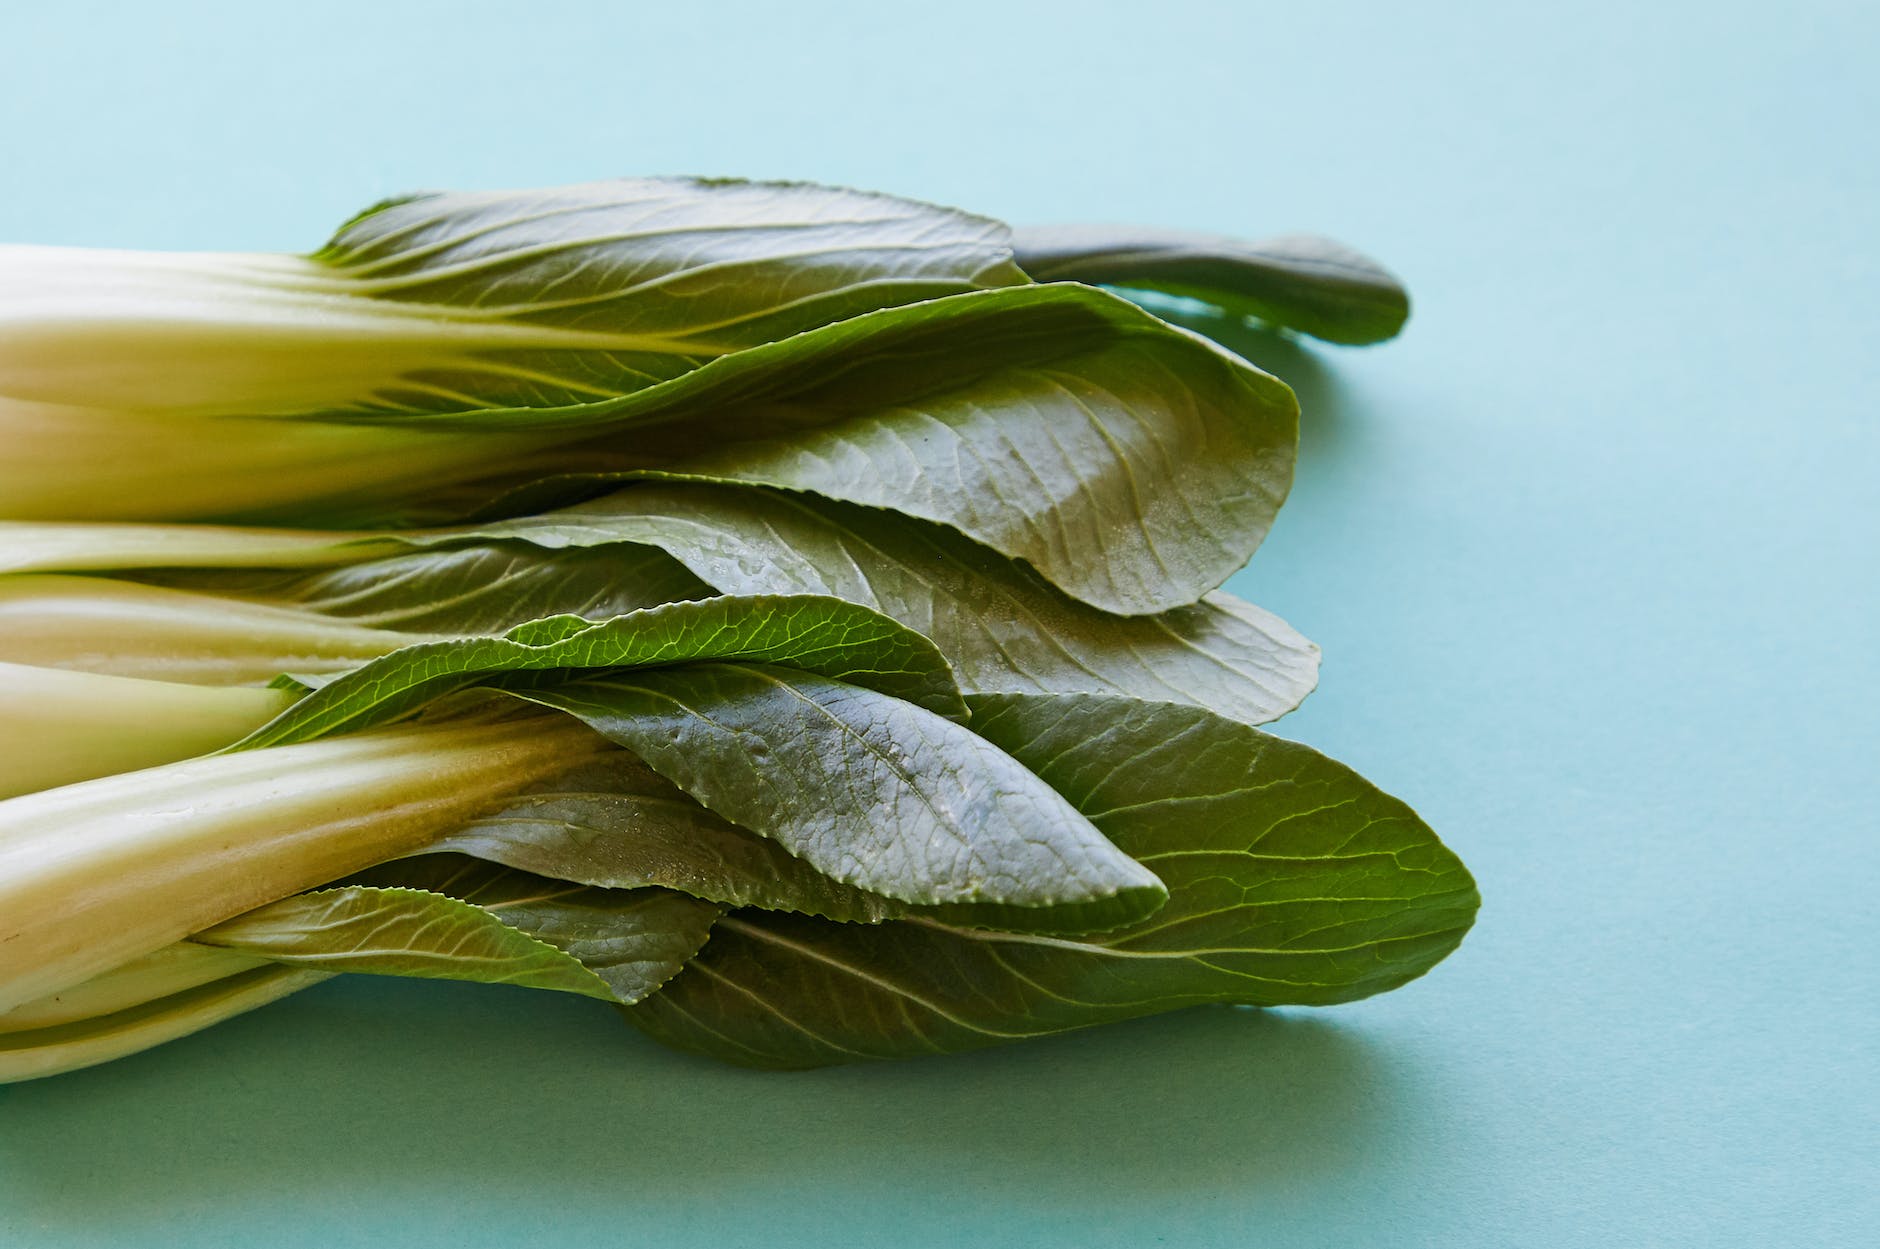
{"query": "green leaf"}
pixel 450 918
pixel 841 640
pixel 645 278
pixel 870 790
pixel 1300 281
pixel 481 589
pixel 616 823
pixel 1135 465
pixel 1291 881
pixel 248 626
pixel 1004 629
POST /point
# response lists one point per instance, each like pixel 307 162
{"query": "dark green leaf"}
pixel 838 639
pixel 1004 629
pixel 480 589
pixel 451 918
pixel 1291 881
pixel 1133 464
pixel 870 790
pixel 1300 281
pixel 630 282
pixel 616 823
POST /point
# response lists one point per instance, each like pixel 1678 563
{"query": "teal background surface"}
pixel 1590 551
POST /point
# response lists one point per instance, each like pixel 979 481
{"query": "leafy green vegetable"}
pixel 1134 465
pixel 444 917
pixel 846 758
pixel 825 635
pixel 1299 281
pixel 96 874
pixel 1291 881
pixel 232 627
pixel 1004 629
pixel 869 790
pixel 61 727
pixel 647 277
pixel 812 647
pixel 32 1054
pixel 437 302
pixel 614 822
pixel 483 589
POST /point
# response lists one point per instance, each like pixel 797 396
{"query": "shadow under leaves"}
pixel 389 1091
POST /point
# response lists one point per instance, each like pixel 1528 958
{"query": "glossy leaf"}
pixel 1291 881
pixel 1298 281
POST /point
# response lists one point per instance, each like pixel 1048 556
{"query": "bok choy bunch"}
pixel 759 606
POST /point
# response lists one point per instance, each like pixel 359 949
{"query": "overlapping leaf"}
pixel 452 918
pixel 1291 880
pixel 870 790
pixel 643 279
pixel 486 588
pixel 841 640
pixel 1004 629
pixel 618 824
pixel 846 757
pixel 1135 465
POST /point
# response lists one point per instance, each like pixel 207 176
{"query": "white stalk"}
pixel 173 969
pixel 96 874
pixel 62 727
pixel 89 464
pixel 231 334
pixel 36 1053
pixel 146 385
pixel 124 628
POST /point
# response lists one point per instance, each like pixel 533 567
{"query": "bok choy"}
pixel 790 615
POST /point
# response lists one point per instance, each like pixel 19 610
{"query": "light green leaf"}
pixel 841 640
pixel 450 918
pixel 1291 881
pixel 870 790
pixel 1300 281
pixel 1004 629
